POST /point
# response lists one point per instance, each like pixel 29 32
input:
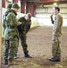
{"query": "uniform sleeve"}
pixel 52 20
pixel 19 27
pixel 4 26
pixel 11 20
pixel 28 26
pixel 59 24
pixel 4 20
pixel 20 19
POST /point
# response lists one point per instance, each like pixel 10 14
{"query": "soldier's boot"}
pixel 55 59
pixel 26 55
pixel 6 62
pixel 12 63
pixel 15 57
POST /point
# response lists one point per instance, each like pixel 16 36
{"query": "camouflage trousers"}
pixel 23 43
pixel 56 51
pixel 10 48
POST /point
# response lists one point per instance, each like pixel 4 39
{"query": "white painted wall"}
pixel 44 20
pixel 43 14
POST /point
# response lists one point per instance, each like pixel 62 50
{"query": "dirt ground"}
pixel 39 46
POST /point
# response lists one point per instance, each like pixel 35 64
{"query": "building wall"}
pixel 43 13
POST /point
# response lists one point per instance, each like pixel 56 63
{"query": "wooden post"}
pixel 3 3
pixel 23 6
pixel 0 29
pixel 15 1
pixel 31 8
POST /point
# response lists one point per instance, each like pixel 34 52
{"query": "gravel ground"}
pixel 39 46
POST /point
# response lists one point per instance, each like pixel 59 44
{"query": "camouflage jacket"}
pixel 25 26
pixel 4 18
pixel 10 25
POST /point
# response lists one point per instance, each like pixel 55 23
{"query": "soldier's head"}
pixel 15 7
pixel 28 16
pixel 9 6
pixel 56 10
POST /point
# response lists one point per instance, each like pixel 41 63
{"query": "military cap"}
pixel 15 5
pixel 9 6
pixel 29 14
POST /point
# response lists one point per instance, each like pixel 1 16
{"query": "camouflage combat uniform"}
pixel 56 36
pixel 5 14
pixel 11 34
pixel 23 29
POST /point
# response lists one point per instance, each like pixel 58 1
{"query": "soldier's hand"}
pixel 51 15
pixel 20 23
pixel 29 22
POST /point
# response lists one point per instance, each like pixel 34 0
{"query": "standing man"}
pixel 11 35
pixel 23 29
pixel 56 36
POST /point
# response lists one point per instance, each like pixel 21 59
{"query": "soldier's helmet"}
pixel 29 15
pixel 15 5
pixel 9 6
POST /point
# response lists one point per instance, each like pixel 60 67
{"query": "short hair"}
pixel 29 15
pixel 57 8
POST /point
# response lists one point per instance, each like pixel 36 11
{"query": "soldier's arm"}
pixel 12 20
pixel 4 26
pixel 28 27
pixel 4 21
pixel 29 24
pixel 52 19
pixel 20 19
pixel 20 24
pixel 59 24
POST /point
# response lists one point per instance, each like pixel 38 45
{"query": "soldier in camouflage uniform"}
pixel 8 9
pixel 11 34
pixel 23 29
pixel 56 36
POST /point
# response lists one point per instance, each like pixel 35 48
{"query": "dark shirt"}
pixel 25 26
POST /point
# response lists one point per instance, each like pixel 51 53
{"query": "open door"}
pixel 0 29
